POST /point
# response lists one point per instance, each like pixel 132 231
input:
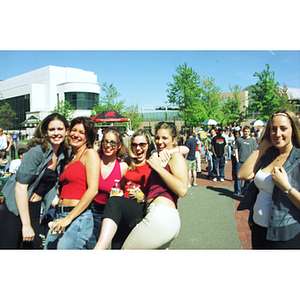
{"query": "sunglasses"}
pixel 142 145
pixel 112 143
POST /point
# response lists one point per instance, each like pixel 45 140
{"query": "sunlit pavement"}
pixel 209 219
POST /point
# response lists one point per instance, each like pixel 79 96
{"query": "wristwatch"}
pixel 288 191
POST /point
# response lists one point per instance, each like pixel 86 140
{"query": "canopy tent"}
pixel 258 123
pixel 110 116
pixel 29 125
pixel 210 122
pixel 30 122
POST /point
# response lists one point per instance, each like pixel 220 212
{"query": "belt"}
pixel 62 209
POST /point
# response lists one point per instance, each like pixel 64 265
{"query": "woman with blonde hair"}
pixel 274 167
pixel 111 151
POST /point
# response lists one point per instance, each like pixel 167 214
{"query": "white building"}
pixel 37 92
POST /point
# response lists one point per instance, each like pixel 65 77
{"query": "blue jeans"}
pixel 76 235
pixel 238 182
pixel 97 211
pixel 218 163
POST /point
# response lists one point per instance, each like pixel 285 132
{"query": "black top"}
pixel 47 182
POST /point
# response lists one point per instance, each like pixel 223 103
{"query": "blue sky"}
pixel 141 76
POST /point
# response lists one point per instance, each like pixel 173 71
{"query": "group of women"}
pixel 86 217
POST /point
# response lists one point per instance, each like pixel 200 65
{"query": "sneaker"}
pixel 215 179
pixel 194 184
pixel 189 185
pixel 222 179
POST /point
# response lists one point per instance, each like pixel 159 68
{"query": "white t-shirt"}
pixel 3 142
pixel 14 165
pixel 262 206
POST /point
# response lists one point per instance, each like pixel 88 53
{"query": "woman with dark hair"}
pixel 162 188
pixel 110 152
pixel 275 198
pixel 34 186
pixel 73 223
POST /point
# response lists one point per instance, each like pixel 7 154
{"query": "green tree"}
pixel 109 101
pixel 265 96
pixel 230 107
pixel 136 119
pixel 7 116
pixel 65 109
pixel 210 99
pixel 185 92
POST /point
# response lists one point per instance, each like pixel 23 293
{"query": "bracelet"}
pixel 288 191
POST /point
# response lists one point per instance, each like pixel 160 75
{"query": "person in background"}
pixel 243 146
pixel 13 148
pixel 237 134
pixel 5 161
pixel 15 164
pixel 5 141
pixel 73 220
pixel 161 224
pixel 229 146
pixel 191 143
pixel 111 150
pixel 209 153
pixel 198 152
pixel 218 146
pixel 225 135
pixel 33 188
pixel 258 133
pixel 274 167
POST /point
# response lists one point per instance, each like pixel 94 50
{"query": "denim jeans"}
pixel 97 211
pixel 238 182
pixel 76 235
pixel 218 163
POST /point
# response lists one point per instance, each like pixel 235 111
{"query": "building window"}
pixel 20 105
pixel 82 100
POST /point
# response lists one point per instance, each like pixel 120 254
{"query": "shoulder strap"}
pixel 82 153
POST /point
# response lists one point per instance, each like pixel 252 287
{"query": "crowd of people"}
pixel 122 192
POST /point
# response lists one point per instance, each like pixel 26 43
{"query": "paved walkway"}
pixel 209 219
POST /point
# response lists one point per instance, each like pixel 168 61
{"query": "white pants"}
pixel 156 231
pixel 198 159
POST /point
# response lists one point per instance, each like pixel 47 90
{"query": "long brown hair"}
pixel 40 138
pixel 294 123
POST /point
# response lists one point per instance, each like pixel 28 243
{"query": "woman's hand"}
pixel 59 225
pixel 28 233
pixel 165 155
pixel 280 178
pixel 154 162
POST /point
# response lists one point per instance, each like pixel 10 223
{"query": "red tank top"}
pixel 106 184
pixel 158 186
pixel 140 176
pixel 73 180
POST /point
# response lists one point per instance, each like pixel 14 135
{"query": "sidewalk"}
pixel 209 219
